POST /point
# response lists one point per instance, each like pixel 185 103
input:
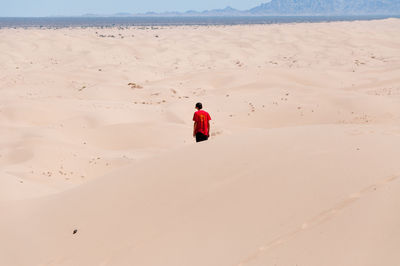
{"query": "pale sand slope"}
pixel 302 168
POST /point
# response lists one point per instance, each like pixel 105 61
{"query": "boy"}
pixel 201 129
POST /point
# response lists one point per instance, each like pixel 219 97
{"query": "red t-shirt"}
pixel 201 118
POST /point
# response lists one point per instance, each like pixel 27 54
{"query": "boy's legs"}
pixel 201 137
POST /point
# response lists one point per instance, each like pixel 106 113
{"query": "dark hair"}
pixel 199 105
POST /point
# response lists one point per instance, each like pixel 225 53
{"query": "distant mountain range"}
pixel 294 7
pixel 328 7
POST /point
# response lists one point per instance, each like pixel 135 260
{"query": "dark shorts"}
pixel 201 137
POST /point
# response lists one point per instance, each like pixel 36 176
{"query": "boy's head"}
pixel 199 106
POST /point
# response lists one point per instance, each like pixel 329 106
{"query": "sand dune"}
pixel 98 166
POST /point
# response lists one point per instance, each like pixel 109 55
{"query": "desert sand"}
pixel 98 165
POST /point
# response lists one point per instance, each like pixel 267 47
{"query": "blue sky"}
pixel 9 8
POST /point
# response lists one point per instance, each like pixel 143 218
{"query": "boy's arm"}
pixel 194 129
pixel 208 127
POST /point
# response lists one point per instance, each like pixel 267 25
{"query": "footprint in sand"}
pixel 216 133
pixel 135 86
pixel 239 64
pixel 253 109
pixel 48 173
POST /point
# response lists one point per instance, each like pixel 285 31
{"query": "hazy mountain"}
pixel 228 11
pixel 327 7
pixel 223 12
